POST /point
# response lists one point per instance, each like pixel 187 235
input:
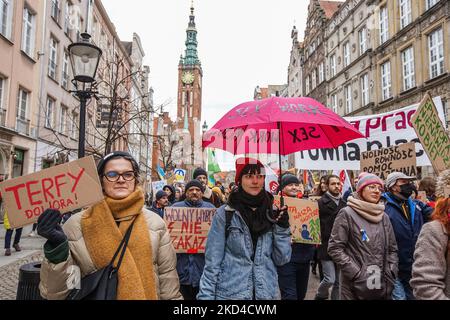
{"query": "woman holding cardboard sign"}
pixel 247 240
pixel 89 240
pixel 363 244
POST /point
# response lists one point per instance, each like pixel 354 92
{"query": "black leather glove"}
pixel 49 227
pixel 280 217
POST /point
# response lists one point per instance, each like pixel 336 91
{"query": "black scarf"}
pixel 256 220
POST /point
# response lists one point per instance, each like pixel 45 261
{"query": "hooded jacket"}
pixel 406 231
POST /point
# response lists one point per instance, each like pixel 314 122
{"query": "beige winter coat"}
pixel 56 277
pixel 431 269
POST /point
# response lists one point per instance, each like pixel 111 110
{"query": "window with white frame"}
pixel 436 47
pixel 386 80
pixel 73 125
pixel 307 85
pixel 6 12
pixel 362 35
pixel 409 80
pixel 348 99
pixel 55 10
pixel 65 71
pixel 63 120
pixel 321 72
pixel 333 65
pixel 49 111
pixel 314 79
pixel 384 25
pixel 53 58
pixel 22 104
pixel 67 17
pixel 405 13
pixel 28 32
pixel 2 90
pixel 365 90
pixel 346 53
pixel 334 103
pixel 430 3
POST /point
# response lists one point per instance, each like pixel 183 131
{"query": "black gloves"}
pixel 49 227
pixel 280 217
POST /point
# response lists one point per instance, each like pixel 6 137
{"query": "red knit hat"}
pixel 241 163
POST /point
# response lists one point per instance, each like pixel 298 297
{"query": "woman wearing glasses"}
pixel 363 244
pixel 88 241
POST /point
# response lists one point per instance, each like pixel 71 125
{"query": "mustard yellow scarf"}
pixel 103 236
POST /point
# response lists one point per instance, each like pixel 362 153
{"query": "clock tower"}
pixel 189 106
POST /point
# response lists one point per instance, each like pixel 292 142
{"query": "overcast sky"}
pixel 241 44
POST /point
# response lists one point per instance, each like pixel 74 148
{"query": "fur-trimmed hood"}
pixel 442 182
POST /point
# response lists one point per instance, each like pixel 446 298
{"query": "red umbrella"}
pixel 279 126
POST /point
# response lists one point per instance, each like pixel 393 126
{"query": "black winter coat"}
pixel 328 211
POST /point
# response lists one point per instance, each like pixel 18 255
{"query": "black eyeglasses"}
pixel 114 176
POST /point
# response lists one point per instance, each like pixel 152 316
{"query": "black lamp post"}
pixel 84 58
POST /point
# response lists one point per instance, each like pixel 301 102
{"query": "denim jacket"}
pixel 230 272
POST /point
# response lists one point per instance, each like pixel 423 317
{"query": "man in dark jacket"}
pixel 201 175
pixel 293 277
pixel 162 201
pixel 407 218
pixel 329 206
pixel 190 266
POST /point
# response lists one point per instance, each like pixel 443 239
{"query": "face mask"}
pixel 406 190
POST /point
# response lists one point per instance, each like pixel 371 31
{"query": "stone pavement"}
pixel 10 266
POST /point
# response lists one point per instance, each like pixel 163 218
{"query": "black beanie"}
pixel 194 183
pixel 287 179
pixel 199 172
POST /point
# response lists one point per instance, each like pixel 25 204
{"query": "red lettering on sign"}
pixel 15 189
pixel 31 194
pixel 46 190
pixel 76 178
pixel 59 184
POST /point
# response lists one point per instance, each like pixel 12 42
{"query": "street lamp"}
pixel 84 58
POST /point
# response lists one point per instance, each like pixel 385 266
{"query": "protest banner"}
pixel 180 175
pixel 382 131
pixel 303 218
pixel 381 162
pixel 432 135
pixel 66 187
pixel 188 228
pixel 158 185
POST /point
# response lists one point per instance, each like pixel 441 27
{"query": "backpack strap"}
pixel 229 212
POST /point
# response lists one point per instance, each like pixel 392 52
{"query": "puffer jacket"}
pixel 358 260
pixel 230 271
pixel 56 277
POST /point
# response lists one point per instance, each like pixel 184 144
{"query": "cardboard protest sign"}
pixel 66 187
pixel 304 219
pixel 381 162
pixel 188 228
pixel 432 135
pixel 180 175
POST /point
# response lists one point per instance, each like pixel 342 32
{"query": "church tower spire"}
pixel 190 54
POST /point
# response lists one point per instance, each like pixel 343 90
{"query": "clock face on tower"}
pixel 187 77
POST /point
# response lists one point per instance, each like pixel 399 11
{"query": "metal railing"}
pixel 23 126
